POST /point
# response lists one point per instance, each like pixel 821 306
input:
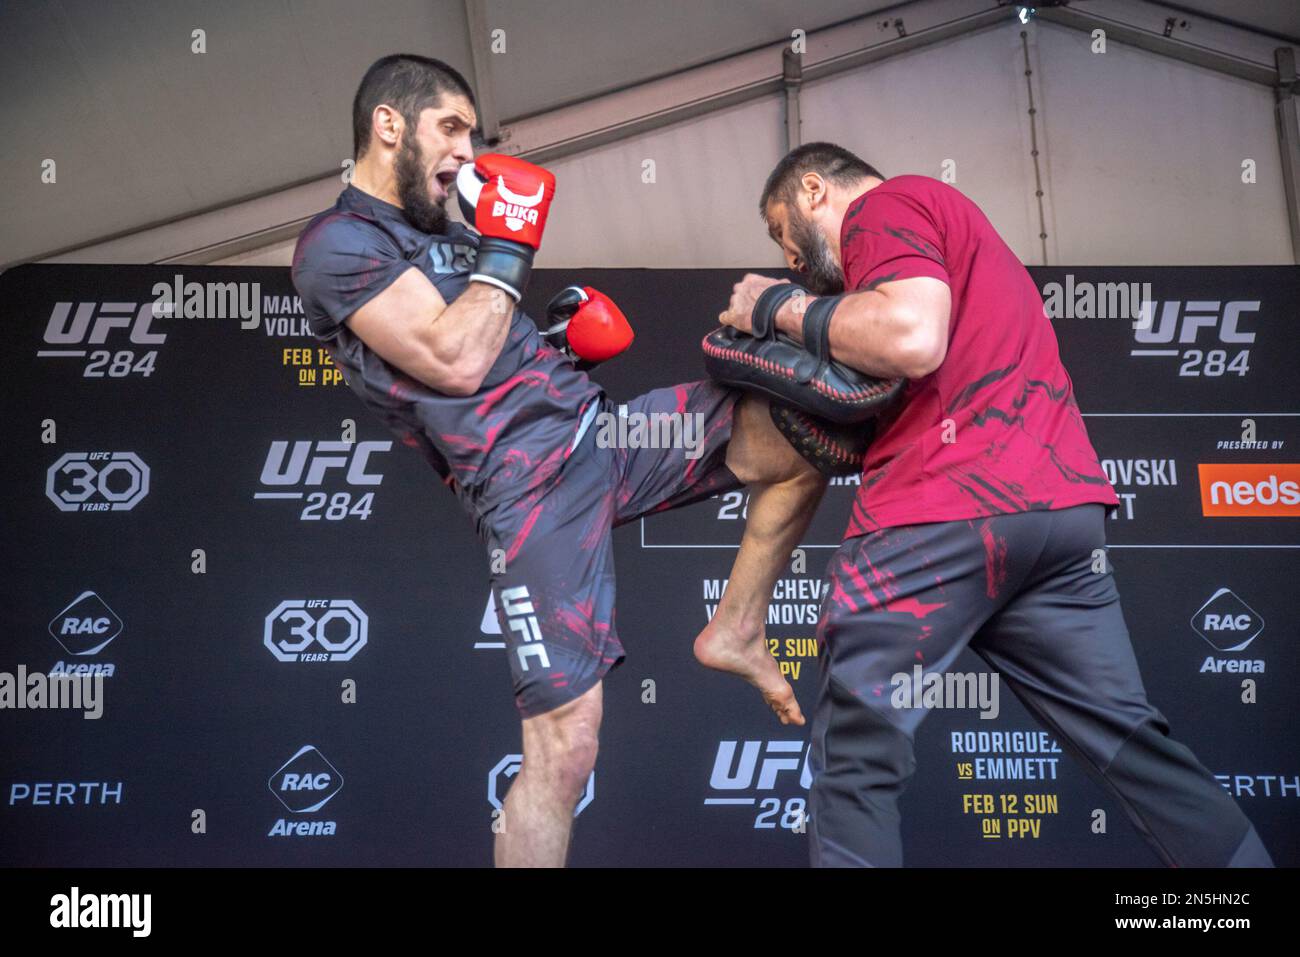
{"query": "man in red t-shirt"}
pixel 979 520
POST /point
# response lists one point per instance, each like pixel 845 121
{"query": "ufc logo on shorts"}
pixel 92 322
pixel 517 606
pixel 1198 315
pixel 307 467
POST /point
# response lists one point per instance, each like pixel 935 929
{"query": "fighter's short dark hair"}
pixel 406 81
pixel 833 163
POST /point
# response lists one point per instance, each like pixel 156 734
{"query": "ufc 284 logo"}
pixel 74 333
pixel 749 776
pixel 1175 324
pixel 297 472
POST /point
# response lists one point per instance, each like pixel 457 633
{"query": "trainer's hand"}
pixel 740 310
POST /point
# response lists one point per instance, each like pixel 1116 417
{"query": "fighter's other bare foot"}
pixel 746 655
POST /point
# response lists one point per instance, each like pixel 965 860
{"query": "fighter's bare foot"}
pixel 746 655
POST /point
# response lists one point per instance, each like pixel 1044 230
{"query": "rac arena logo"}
pixel 315 629
pixel 86 625
pixel 1250 490
pixel 84 334
pixel 298 473
pixel 97 482
pixel 84 628
pixel 304 784
pixel 1228 624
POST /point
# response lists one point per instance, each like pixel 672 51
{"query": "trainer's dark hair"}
pixel 834 163
pixel 408 82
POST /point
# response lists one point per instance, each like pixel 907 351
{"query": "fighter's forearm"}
pixel 871 332
pixel 468 335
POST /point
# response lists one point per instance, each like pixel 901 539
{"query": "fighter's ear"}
pixel 813 188
pixel 386 123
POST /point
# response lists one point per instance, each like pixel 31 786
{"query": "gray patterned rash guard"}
pixel 491 447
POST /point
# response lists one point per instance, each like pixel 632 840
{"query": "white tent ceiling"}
pixel 145 132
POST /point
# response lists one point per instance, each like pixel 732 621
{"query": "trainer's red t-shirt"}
pixel 995 429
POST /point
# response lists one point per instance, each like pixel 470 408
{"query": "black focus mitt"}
pixel 805 376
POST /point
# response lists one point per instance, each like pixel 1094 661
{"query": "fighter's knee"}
pixel 565 761
pixel 576 765
pixel 560 750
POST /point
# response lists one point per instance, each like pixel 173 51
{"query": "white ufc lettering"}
pixel 1198 315
pixel 112 315
pixel 517 606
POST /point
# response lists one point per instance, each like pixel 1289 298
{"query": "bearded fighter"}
pixel 979 519
pixel 420 314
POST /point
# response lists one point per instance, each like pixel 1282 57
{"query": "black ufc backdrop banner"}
pixel 288 618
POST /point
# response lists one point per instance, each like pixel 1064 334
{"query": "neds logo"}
pixel 1250 490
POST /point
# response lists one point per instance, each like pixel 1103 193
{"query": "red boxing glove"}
pixel 507 200
pixel 513 200
pixel 587 326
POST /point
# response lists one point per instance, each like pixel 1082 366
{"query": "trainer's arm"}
pixel 448 348
pixel 898 329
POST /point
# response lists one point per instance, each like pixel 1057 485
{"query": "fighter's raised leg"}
pixel 784 491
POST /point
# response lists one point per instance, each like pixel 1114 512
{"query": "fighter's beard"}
pixel 824 276
pixel 413 190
